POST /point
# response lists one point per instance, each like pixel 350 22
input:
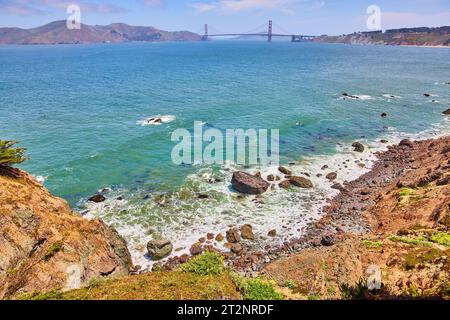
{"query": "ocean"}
pixel 79 109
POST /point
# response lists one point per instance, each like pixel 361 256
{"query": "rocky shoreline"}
pixel 368 207
pixel 347 213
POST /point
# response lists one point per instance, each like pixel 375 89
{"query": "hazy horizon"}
pixel 294 16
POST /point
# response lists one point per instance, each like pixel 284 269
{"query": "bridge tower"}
pixel 269 33
pixel 205 36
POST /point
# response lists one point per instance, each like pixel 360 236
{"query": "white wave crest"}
pixel 157 120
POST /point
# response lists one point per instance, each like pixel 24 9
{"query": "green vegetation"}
pixel 173 285
pixel 54 249
pixel 209 263
pixel 314 297
pixel 417 241
pixel 442 238
pixel 372 244
pixel 413 258
pixel 49 295
pixel 257 289
pixel 10 156
pixel 290 285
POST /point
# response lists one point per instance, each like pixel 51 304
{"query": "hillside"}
pixel 404 37
pixel 44 245
pixel 58 33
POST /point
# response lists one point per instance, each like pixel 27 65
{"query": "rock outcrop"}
pixel 46 246
pixel 249 184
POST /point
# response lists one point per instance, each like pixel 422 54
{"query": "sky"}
pixel 312 17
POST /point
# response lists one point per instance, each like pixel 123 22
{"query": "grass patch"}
pixel 442 238
pixel 417 241
pixel 290 285
pixel 49 295
pixel 372 244
pixel 54 249
pixel 173 285
pixel 257 289
pixel 413 258
pixel 209 263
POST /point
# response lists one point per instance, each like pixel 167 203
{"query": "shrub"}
pixel 10 156
pixel 209 263
pixel 54 249
pixel 257 289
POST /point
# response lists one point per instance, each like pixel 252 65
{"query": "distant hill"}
pixel 58 33
pixel 405 36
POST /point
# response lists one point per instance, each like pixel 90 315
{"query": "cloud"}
pixel 244 5
pixel 154 3
pixel 39 7
pixel 286 6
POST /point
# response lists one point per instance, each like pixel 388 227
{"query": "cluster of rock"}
pixel 254 184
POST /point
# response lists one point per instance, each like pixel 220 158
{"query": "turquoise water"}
pixel 77 108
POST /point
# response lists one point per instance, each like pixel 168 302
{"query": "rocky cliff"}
pixel 406 37
pixel 44 245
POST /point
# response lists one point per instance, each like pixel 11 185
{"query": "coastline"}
pixel 402 203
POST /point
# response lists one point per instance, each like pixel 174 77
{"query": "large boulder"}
pixel 446 112
pixel 249 184
pixel 332 176
pixel 247 232
pixel 301 182
pixel 358 146
pixel 285 171
pixel 406 143
pixel 159 248
pixel 233 235
pixel 97 198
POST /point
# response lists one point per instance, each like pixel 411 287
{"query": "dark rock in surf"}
pixel 301 182
pixel 331 176
pixel 249 184
pixel 358 147
pixel 159 248
pixel 285 171
pixel 97 198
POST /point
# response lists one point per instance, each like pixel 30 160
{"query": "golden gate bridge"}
pixel 269 34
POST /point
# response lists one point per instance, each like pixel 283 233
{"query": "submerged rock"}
pixel 358 147
pixel 159 248
pixel 301 182
pixel 249 184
